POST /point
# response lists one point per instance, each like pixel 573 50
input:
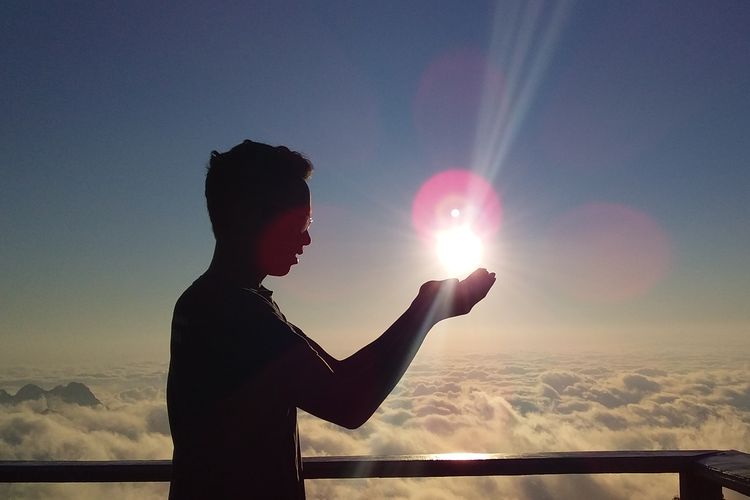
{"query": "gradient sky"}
pixel 617 135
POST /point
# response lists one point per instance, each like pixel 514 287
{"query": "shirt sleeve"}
pixel 252 336
pixel 222 339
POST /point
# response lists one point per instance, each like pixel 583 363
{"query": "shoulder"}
pixel 217 317
pixel 229 325
pixel 213 298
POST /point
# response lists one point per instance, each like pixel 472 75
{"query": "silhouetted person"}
pixel 239 370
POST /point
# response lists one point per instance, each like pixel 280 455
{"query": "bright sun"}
pixel 455 212
pixel 459 250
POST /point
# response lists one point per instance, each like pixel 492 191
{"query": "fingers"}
pixel 473 289
pixel 479 279
pixel 479 273
pixel 452 297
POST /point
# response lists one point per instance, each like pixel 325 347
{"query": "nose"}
pixel 306 240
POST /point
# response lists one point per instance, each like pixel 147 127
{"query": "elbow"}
pixel 351 425
pixel 344 415
pixel 355 419
pixel 354 423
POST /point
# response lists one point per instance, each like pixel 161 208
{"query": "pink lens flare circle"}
pixel 608 253
pixel 448 105
pixel 455 198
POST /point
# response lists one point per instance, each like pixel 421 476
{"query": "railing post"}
pixel 694 487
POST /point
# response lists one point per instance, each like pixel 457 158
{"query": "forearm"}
pixel 375 369
pixel 350 392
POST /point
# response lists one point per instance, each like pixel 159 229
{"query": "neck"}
pixel 234 264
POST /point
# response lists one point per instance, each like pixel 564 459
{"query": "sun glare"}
pixel 455 212
pixel 459 250
pixel 461 456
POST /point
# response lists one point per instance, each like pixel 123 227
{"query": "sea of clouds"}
pixel 517 402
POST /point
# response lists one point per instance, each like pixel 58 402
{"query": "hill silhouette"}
pixel 74 393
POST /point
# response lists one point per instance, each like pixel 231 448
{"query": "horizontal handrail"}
pixel 461 464
pixel 730 469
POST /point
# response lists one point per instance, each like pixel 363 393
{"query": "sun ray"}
pixel 521 46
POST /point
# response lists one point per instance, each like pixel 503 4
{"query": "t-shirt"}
pixel 234 431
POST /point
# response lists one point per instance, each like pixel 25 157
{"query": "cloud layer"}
pixel 520 403
pixel 501 403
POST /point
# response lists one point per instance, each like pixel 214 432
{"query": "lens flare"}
pixel 453 212
pixel 448 104
pixel 607 253
pixel 453 197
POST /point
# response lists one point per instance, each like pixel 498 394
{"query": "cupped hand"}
pixel 449 298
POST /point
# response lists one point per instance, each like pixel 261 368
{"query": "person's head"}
pixel 259 203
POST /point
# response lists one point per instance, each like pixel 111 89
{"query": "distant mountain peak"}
pixel 73 392
pixel 29 392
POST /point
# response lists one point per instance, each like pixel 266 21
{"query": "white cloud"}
pixel 509 404
pixel 506 403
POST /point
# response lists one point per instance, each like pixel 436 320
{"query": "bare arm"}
pixel 348 392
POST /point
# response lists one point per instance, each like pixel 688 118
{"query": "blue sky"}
pixel 636 113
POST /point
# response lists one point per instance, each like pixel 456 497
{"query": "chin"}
pixel 279 272
pixel 277 265
pixel 279 269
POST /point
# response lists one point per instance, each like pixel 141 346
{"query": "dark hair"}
pixel 251 180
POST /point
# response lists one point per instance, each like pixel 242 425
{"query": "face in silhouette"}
pixel 284 237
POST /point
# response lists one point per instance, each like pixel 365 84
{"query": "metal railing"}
pixel 702 473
